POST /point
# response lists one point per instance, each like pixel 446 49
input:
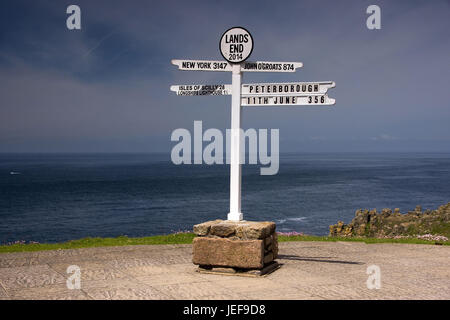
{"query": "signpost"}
pixel 236 45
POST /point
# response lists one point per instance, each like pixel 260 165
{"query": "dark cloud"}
pixel 106 87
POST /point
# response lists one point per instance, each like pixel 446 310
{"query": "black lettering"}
pixel 251 66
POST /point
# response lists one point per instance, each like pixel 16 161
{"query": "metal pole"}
pixel 235 213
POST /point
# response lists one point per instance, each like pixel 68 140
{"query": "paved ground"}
pixel 311 270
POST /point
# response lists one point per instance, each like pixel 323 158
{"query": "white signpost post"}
pixel 236 45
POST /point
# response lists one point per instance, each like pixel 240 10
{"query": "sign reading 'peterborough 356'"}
pixel 286 88
pixel 236 45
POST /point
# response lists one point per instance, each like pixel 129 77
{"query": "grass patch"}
pixel 183 238
pixel 442 228
pixel 282 238
pixel 176 238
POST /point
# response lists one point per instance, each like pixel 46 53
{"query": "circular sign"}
pixel 236 45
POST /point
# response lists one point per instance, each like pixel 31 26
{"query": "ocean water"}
pixel 58 197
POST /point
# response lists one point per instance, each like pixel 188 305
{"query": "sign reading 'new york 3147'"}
pixel 260 89
pixel 236 45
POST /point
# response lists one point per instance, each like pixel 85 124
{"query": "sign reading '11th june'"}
pixel 284 100
pixel 236 45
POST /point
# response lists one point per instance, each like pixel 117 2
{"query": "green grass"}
pixel 355 239
pixel 442 228
pixel 181 238
pixel 177 238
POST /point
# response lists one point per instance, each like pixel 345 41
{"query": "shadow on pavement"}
pixel 315 259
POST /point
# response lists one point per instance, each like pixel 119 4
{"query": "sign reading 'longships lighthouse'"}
pixel 236 45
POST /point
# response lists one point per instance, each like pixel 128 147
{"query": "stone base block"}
pixel 244 230
pixel 235 244
pixel 228 253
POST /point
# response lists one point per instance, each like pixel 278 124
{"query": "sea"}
pixel 58 197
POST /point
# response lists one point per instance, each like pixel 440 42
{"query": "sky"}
pixel 105 88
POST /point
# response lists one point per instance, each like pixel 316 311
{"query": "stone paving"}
pixel 310 270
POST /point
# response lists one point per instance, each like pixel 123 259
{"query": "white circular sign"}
pixel 236 45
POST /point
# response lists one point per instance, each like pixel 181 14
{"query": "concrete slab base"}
pixel 266 270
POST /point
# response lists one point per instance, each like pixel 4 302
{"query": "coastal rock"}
pixel 370 223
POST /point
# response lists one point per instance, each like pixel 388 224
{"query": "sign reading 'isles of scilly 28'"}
pixel 202 90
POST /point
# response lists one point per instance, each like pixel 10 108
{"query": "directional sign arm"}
pixel 290 88
pixel 268 66
pixel 256 66
pixel 304 100
pixel 202 89
pixel 202 65
pixel 256 89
